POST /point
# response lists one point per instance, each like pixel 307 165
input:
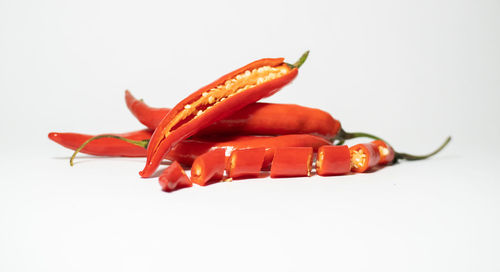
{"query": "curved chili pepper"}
pixel 104 146
pixel 174 178
pixel 363 157
pixel 333 160
pixel 246 163
pixel 292 162
pixel 254 119
pixel 209 167
pixel 216 101
pixel 385 151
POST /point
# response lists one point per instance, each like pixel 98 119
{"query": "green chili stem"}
pixel 299 62
pixel 409 157
pixel 143 143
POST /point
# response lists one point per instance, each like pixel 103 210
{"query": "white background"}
pixel 413 72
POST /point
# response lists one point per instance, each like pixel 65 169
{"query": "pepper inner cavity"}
pixel 358 158
pixel 239 83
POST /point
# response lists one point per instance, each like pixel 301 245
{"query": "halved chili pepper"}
pixel 246 163
pixel 363 157
pixel 209 167
pixel 174 178
pixel 385 151
pixel 216 101
pixel 292 162
pixel 185 152
pixel 333 160
pixel 254 119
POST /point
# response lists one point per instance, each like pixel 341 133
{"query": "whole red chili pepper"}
pixel 129 145
pixel 246 163
pixel 216 101
pixel 209 167
pixel 292 162
pixel 254 119
pixel 333 160
pixel 174 178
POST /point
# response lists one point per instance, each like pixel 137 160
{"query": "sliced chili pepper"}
pixel 292 162
pixel 185 152
pixel 246 163
pixel 104 145
pixel 209 167
pixel 333 160
pixel 363 157
pixel 216 101
pixel 385 151
pixel 189 149
pixel 254 119
pixel 174 178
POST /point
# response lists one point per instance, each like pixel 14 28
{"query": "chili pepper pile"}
pixel 223 133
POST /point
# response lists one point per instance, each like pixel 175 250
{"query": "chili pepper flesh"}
pixel 246 163
pixel 333 160
pixel 174 178
pixel 292 162
pixel 209 167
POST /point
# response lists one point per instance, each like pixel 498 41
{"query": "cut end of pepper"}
pixel 358 158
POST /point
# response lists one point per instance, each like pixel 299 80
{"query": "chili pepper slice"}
pixel 216 101
pixel 385 151
pixel 333 160
pixel 292 162
pixel 363 157
pixel 254 119
pixel 209 167
pixel 246 163
pixel 174 178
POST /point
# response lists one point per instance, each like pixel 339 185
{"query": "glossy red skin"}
pixel 187 151
pixel 333 160
pixel 160 145
pixel 212 165
pixel 292 162
pixel 372 156
pixel 254 119
pixel 104 146
pixel 246 163
pixel 174 178
pixel 387 158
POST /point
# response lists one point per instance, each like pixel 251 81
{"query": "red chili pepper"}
pixel 385 151
pixel 216 101
pixel 254 119
pixel 246 163
pixel 209 167
pixel 174 178
pixel 104 145
pixel 292 162
pixel 333 160
pixel 364 157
